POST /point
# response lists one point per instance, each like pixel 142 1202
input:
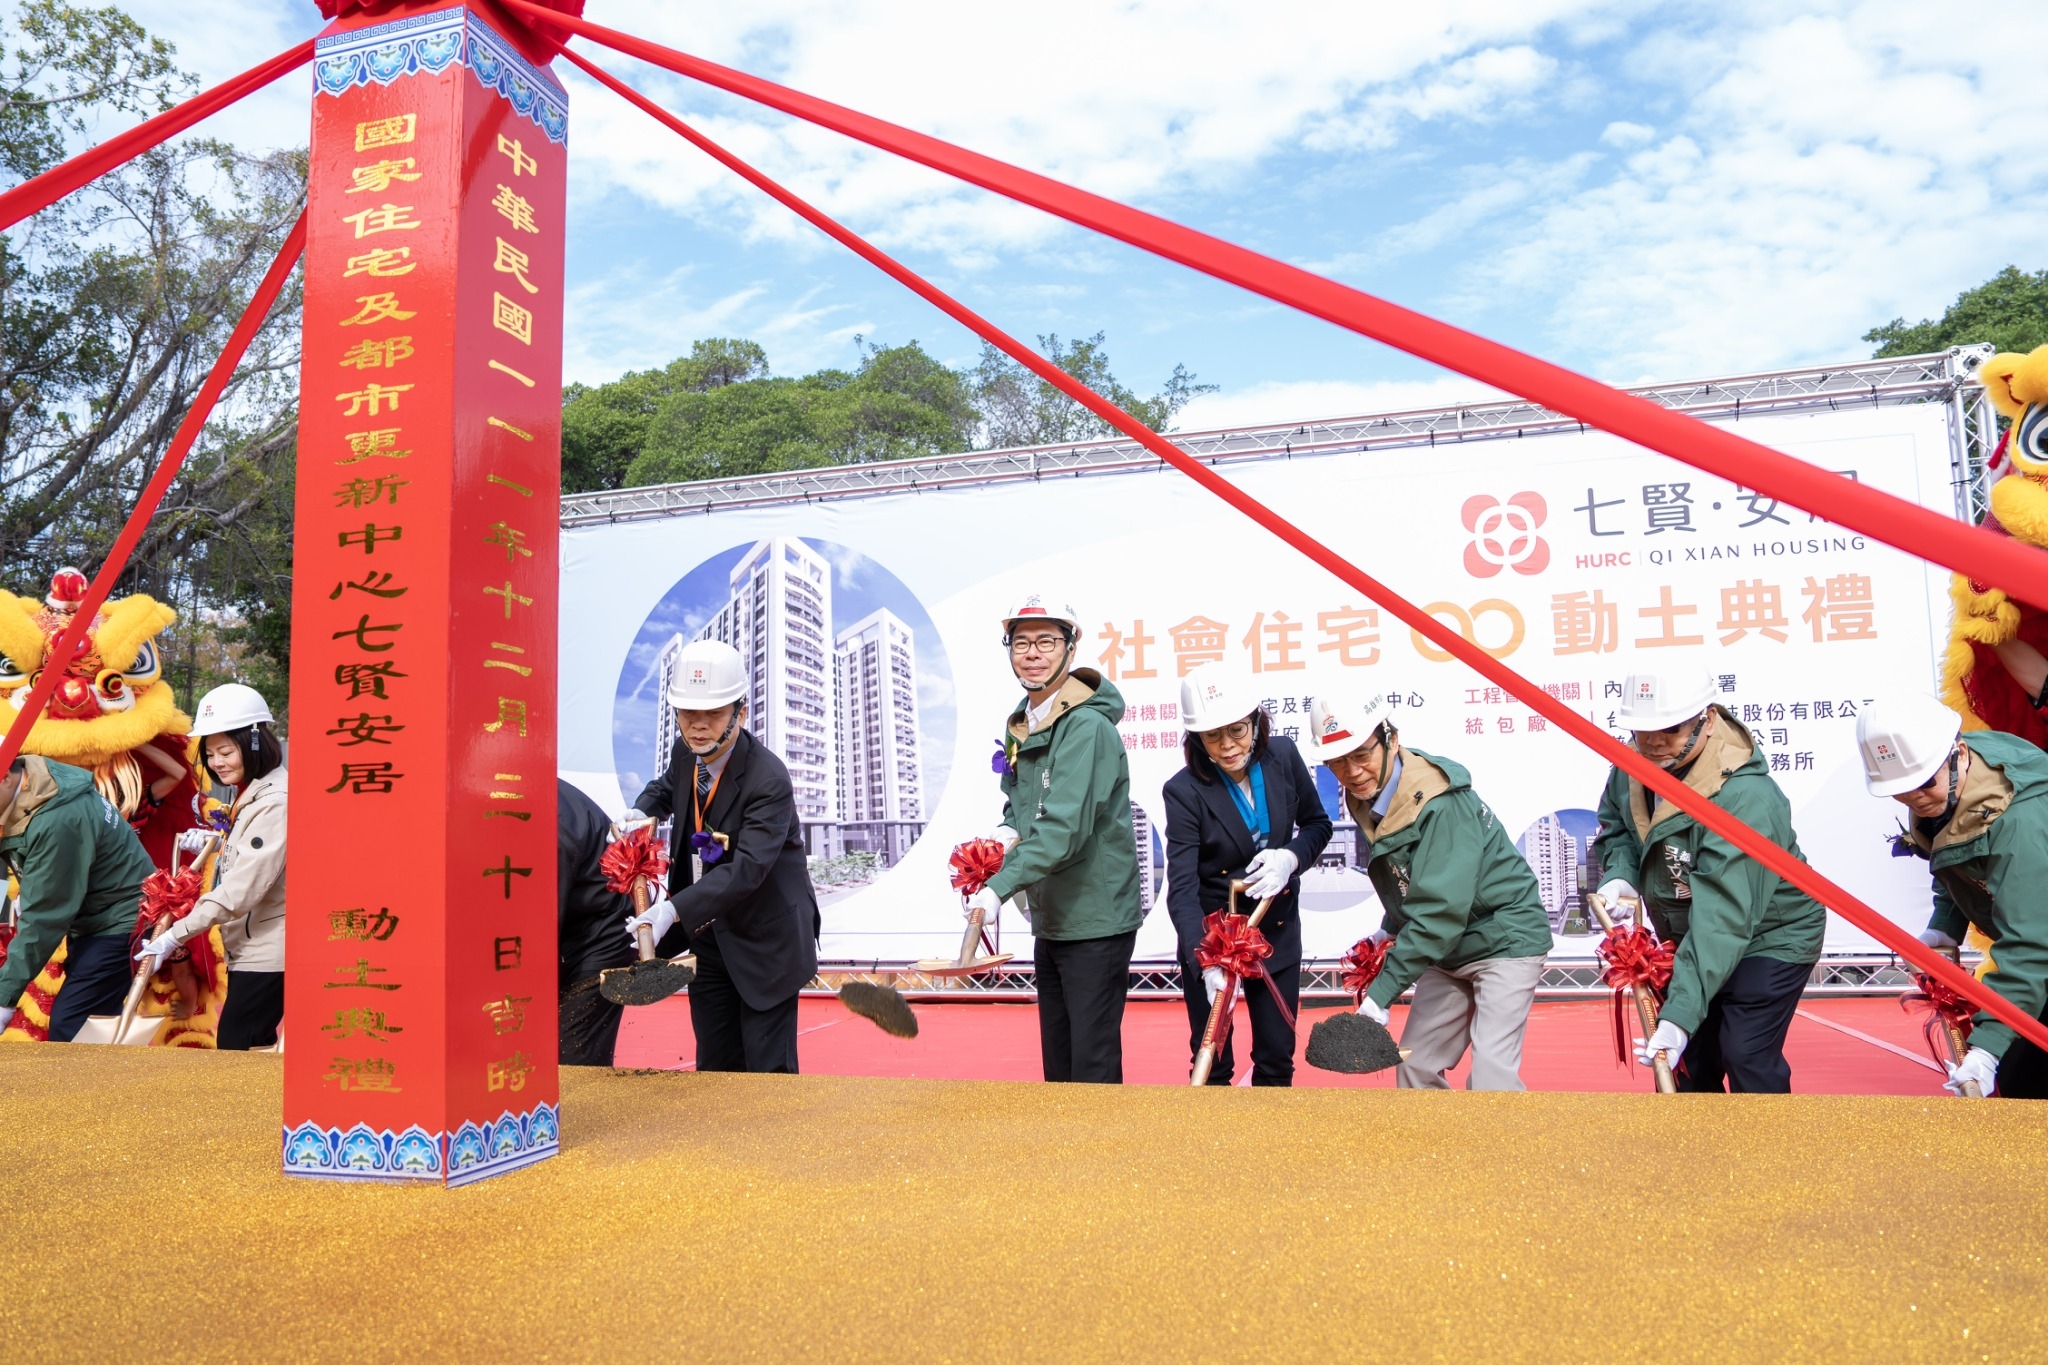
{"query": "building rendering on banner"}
pixel 881 774
pixel 841 710
pixel 1553 853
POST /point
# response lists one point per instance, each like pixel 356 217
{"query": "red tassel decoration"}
pixel 631 858
pixel 974 862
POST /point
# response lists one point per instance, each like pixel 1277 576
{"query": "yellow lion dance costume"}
pixel 114 715
pixel 1974 680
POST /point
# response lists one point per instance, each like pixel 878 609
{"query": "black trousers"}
pixel 1740 1045
pixel 96 976
pixel 589 1023
pixel 2022 1072
pixel 1082 984
pixel 1272 1038
pixel 731 1034
pixel 255 1008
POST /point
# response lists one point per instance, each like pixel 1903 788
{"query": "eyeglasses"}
pixel 1038 644
pixel 1236 733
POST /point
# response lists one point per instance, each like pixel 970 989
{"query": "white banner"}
pixel 873 626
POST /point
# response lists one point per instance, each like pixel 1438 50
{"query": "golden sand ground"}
pixel 764 1217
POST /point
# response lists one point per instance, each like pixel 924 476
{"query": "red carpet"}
pixel 1569 1046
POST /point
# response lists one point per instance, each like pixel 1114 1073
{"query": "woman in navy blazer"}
pixel 1243 809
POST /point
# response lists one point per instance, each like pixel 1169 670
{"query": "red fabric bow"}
pixel 1945 1008
pixel 1633 958
pixel 631 858
pixel 1230 942
pixel 166 899
pixel 974 862
pixel 1362 966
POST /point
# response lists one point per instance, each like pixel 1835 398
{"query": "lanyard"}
pixel 1253 811
pixel 697 811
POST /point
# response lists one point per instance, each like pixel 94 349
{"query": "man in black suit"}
pixel 740 887
pixel 587 930
pixel 1243 809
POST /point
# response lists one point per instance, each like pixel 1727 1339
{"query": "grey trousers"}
pixel 1483 1005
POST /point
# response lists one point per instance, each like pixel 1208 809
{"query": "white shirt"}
pixel 1036 716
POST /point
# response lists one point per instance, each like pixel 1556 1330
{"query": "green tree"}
pixel 605 427
pixel 1020 409
pixel 2009 310
pixel 114 303
pixel 900 403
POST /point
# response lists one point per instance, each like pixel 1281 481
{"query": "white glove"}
pixel 985 901
pixel 1270 872
pixel 1937 940
pixel 1213 979
pixel 1376 1013
pixel 1977 1065
pixel 1379 936
pixel 1005 836
pixel 195 841
pixel 632 820
pixel 158 949
pixel 6 1015
pixel 1669 1039
pixel 660 917
pixel 1615 890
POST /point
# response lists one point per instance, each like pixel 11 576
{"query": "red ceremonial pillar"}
pixel 420 965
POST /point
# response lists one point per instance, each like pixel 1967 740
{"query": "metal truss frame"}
pixel 1941 377
pixel 1837 974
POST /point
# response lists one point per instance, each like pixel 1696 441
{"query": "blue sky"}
pixel 1640 191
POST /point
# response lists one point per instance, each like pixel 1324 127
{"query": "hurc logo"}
pixel 1504 534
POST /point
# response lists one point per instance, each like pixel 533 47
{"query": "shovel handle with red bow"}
pixel 1241 949
pixel 972 863
pixel 1950 1016
pixel 1646 1012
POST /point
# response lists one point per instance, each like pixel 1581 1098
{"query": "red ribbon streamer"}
pixel 631 858
pixel 1362 966
pixel 974 862
pixel 1710 816
pixel 1230 942
pixel 1945 1009
pixel 1857 506
pixel 33 196
pixel 1634 960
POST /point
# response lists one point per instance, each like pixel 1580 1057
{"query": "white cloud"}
pixel 1309 400
pixel 1622 133
pixel 1829 171
pixel 1133 101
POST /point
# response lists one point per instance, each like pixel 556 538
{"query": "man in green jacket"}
pixel 1070 850
pixel 80 869
pixel 1747 941
pixel 1980 819
pixel 1462 908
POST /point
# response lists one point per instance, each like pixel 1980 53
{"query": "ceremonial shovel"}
pixel 120 1028
pixel 1217 1031
pixel 652 978
pixel 1646 1013
pixel 966 964
pixel 1958 1044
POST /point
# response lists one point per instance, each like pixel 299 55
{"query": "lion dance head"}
pixel 110 701
pixel 1974 681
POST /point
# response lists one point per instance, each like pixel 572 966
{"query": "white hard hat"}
pixel 1040 607
pixel 709 673
pixel 231 706
pixel 1659 696
pixel 1336 727
pixel 1904 739
pixel 1214 695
